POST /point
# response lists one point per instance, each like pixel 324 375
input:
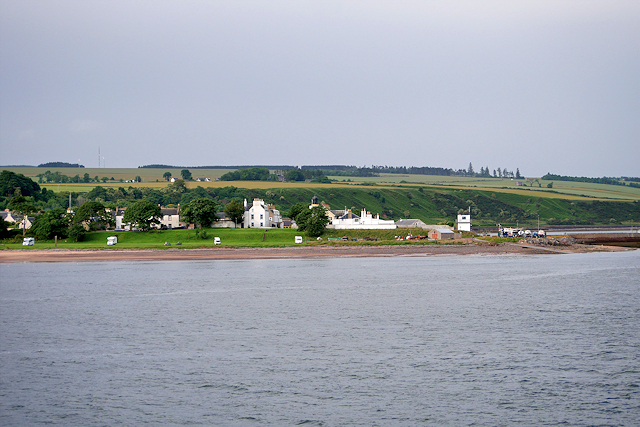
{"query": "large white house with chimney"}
pixel 261 215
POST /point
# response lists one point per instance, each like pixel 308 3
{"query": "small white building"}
pixel 464 222
pixel 365 221
pixel 261 215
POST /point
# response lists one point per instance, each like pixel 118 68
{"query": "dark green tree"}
pixel 9 181
pixel 166 176
pixel 186 175
pixel 142 214
pixel 54 222
pixel 294 175
pixel 4 229
pixel 296 209
pixel 235 211
pixel 200 211
pixel 93 215
pixel 77 232
pixel 312 221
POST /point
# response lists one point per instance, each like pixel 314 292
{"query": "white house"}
pixel 261 215
pixel 365 221
pixel 464 222
pixel 21 220
pixel 171 218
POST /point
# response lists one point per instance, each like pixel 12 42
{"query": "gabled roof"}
pixel 443 230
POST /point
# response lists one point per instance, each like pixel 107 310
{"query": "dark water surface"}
pixel 471 340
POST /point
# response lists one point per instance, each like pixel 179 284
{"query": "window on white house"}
pixel 169 218
pixel 261 216
pixel 261 225
pixel 251 216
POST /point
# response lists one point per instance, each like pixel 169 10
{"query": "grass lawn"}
pixel 229 237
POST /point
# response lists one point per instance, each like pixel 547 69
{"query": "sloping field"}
pixel 147 174
pixel 154 178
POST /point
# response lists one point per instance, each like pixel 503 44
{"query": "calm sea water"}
pixel 405 341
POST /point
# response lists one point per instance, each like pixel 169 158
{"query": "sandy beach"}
pixel 219 253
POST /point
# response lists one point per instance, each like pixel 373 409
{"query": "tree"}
pixel 54 222
pixel 77 232
pixel 138 179
pixel 235 211
pixel 294 175
pixel 200 211
pixel 93 214
pixel 470 171
pixel 186 175
pixel 4 229
pixel 142 214
pixel 177 187
pixel 296 209
pixel 312 221
pixel 518 173
pixel 166 176
pixel 9 181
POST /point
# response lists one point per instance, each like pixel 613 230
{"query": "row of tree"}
pixel 603 180
pixel 60 178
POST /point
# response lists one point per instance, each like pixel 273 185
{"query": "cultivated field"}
pixel 154 178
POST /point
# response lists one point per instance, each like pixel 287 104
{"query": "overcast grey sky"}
pixel 543 86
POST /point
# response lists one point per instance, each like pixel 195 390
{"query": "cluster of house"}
pixel 259 214
pixel 21 220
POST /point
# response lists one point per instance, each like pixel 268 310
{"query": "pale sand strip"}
pixel 65 255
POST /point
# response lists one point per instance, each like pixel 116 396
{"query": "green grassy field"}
pixel 229 238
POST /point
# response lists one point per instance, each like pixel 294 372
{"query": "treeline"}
pixel 270 167
pixel 603 180
pixel 354 171
pixel 60 178
pixel 60 165
pixel 343 170
pixel 252 174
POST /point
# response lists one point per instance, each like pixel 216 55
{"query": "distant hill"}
pixel 60 165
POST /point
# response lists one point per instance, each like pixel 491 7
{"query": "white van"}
pixel 216 241
pixel 298 239
pixel 28 241
pixel 112 240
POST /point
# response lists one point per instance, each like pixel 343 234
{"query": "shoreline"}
pixel 300 252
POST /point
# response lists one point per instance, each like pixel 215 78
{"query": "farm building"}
pixel 441 234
